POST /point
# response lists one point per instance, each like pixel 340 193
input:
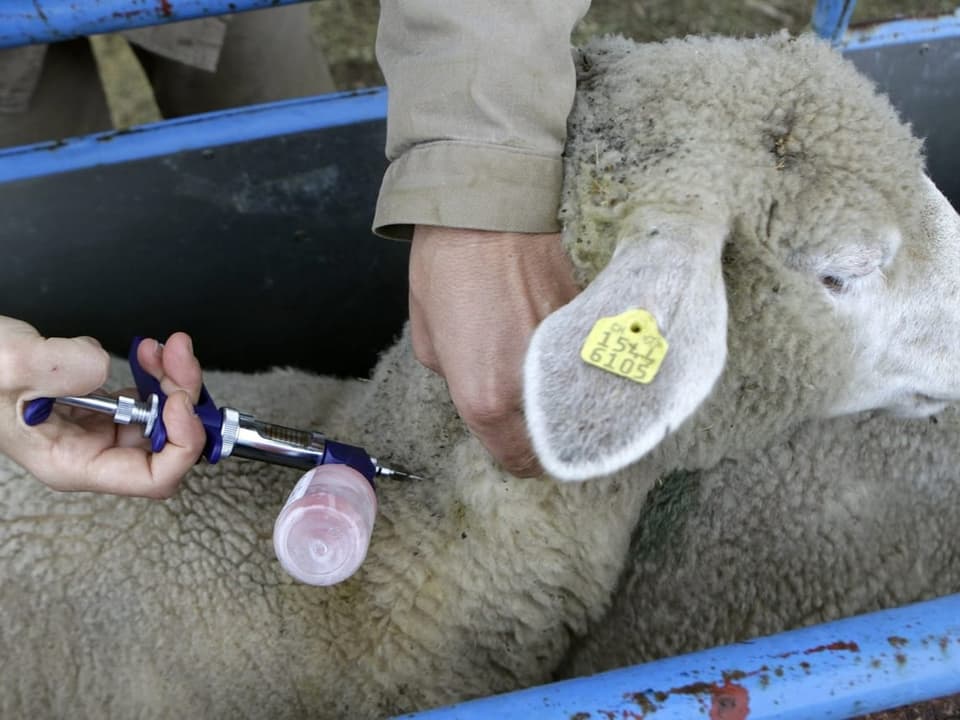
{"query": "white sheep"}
pixel 842 517
pixel 755 196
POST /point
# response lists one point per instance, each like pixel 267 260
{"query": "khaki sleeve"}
pixel 479 93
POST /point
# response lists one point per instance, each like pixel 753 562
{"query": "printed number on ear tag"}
pixel 629 345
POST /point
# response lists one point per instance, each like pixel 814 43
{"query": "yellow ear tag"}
pixel 628 345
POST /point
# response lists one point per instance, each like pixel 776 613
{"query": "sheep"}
pixel 844 516
pixel 755 196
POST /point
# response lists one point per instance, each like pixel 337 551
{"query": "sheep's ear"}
pixel 595 406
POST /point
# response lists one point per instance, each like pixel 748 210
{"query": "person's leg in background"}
pixel 50 97
pixel 266 55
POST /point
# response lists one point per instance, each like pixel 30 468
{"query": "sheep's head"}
pixel 756 194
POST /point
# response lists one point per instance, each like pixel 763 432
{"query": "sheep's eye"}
pixel 832 283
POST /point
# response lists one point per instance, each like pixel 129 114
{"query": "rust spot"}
pixel 778 672
pixel 849 646
pixel 166 9
pixel 944 643
pixel 839 645
pixel 764 681
pixel 730 702
pixel 643 701
pixel 806 667
pixel 896 641
pixel 901 659
pixel 727 702
pixel 697 688
pixel 875 664
pixel 580 716
pixel 660 696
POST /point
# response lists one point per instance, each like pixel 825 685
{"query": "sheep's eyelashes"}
pixel 833 283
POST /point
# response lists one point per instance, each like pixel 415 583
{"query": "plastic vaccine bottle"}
pixel 322 533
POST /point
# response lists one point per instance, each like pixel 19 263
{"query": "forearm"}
pixel 480 91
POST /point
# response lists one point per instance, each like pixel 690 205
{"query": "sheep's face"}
pixel 763 180
pixel 898 299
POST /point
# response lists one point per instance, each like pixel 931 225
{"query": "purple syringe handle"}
pixel 37 411
pixel 206 410
pixel 147 384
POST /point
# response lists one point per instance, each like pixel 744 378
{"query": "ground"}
pixel 346 29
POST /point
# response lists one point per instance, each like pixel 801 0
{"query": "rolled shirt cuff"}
pixel 469 185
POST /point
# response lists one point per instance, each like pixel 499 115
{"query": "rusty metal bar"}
pixel 836 670
pixel 28 22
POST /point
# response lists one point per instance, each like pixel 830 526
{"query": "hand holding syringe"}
pixel 322 533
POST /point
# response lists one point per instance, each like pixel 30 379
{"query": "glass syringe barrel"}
pixel 304 449
pixel 258 440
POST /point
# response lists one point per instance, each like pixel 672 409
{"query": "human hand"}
pixel 75 450
pixel 475 299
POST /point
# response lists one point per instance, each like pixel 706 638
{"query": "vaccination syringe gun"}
pixel 323 531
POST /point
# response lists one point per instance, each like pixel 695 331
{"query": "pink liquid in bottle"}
pixel 323 531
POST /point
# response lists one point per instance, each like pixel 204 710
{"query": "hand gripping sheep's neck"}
pixel 779 228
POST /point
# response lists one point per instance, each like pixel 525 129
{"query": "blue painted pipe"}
pixel 27 22
pixel 836 670
pixel 912 31
pixel 195 132
pixel 832 17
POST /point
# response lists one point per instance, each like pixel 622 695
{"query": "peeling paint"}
pixel 832 647
pixel 644 702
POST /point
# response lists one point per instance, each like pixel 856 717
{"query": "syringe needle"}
pixel 390 472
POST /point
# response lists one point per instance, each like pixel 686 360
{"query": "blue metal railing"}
pixel 26 22
pixel 831 21
pixel 835 670
pixel 909 31
pixel 831 18
pixel 193 132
